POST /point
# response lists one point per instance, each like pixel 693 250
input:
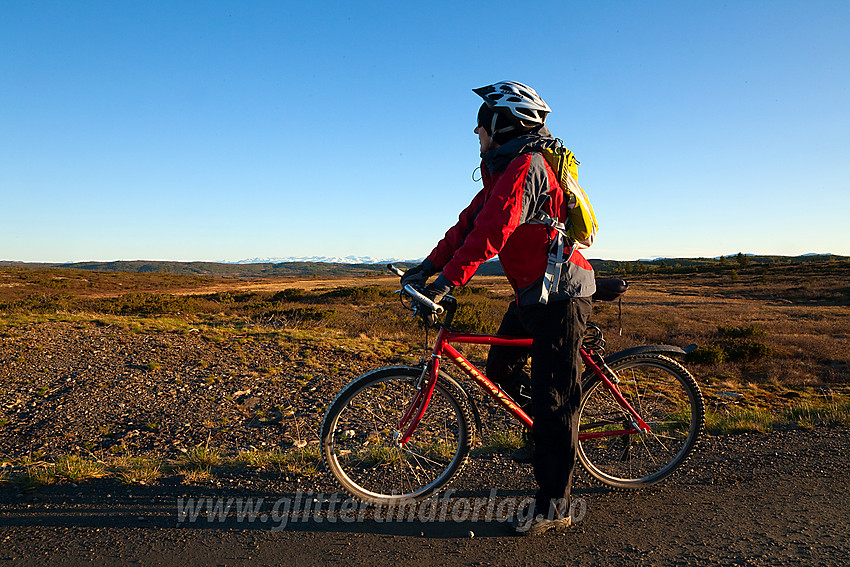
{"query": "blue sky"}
pixel 230 130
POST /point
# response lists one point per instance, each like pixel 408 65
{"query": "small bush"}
pixel 468 290
pixel 710 354
pixel 732 332
pixel 734 345
pixel 147 304
pixel 42 303
pixel 231 297
pixel 358 295
pixel 476 316
pixel 750 352
pixel 287 295
pixel 299 314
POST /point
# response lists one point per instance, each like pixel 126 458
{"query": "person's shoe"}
pixel 540 525
pixel 524 454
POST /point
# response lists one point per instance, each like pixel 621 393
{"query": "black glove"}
pixel 418 275
pixel 438 289
pixel 435 291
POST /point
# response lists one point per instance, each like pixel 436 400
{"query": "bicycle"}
pixel 402 433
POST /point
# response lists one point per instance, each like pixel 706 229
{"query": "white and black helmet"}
pixel 516 101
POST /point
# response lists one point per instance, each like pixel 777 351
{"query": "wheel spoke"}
pixel 666 397
pixel 369 463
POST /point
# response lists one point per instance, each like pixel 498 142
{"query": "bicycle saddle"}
pixel 609 289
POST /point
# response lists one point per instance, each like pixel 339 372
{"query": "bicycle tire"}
pixel 360 428
pixel 666 397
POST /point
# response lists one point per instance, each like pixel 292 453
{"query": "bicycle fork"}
pixel 424 391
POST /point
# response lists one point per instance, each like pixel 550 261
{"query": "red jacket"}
pixel 518 182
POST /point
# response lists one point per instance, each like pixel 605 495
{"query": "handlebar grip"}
pixel 411 291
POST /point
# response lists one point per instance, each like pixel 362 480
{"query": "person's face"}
pixel 483 138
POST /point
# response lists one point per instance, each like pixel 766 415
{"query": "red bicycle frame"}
pixel 442 347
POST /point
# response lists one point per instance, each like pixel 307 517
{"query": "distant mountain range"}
pixel 372 260
pixel 351 266
pixel 326 260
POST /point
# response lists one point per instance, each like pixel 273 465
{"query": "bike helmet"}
pixel 516 101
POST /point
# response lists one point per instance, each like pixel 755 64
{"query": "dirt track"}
pixel 752 499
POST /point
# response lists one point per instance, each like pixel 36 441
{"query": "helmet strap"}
pixel 507 128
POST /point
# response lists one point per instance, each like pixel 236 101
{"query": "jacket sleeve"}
pixel 457 234
pixel 482 235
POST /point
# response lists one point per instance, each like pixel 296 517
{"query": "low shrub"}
pixel 733 345
pixel 287 295
pixel 733 332
pixel 358 295
pixel 749 352
pixel 41 303
pixel 477 316
pixel 709 354
pixel 147 304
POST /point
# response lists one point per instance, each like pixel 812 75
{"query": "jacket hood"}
pixel 497 159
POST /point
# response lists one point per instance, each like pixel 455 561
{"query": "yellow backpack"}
pixel 581 226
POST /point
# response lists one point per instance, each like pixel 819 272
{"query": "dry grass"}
pixel 200 457
pixel 504 439
pixel 299 461
pixel 798 343
pixel 68 468
pixel 800 311
pixel 197 466
pixel 739 420
pixel 195 475
pixel 765 332
pixel 137 470
pixel 833 412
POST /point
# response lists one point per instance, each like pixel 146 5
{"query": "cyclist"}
pixel 552 295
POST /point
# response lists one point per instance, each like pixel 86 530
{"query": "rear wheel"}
pixel 666 397
pixel 360 433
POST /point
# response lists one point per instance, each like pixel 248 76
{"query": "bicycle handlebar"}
pixel 414 293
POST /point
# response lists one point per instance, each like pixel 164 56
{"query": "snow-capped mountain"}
pixel 326 260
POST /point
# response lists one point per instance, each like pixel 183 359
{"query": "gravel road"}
pixel 92 389
pixel 752 499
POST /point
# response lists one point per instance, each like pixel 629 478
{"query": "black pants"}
pixel 557 329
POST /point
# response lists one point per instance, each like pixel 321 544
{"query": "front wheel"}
pixel 360 435
pixel 666 397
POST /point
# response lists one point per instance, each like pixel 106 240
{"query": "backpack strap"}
pixel 542 218
pixel 557 256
